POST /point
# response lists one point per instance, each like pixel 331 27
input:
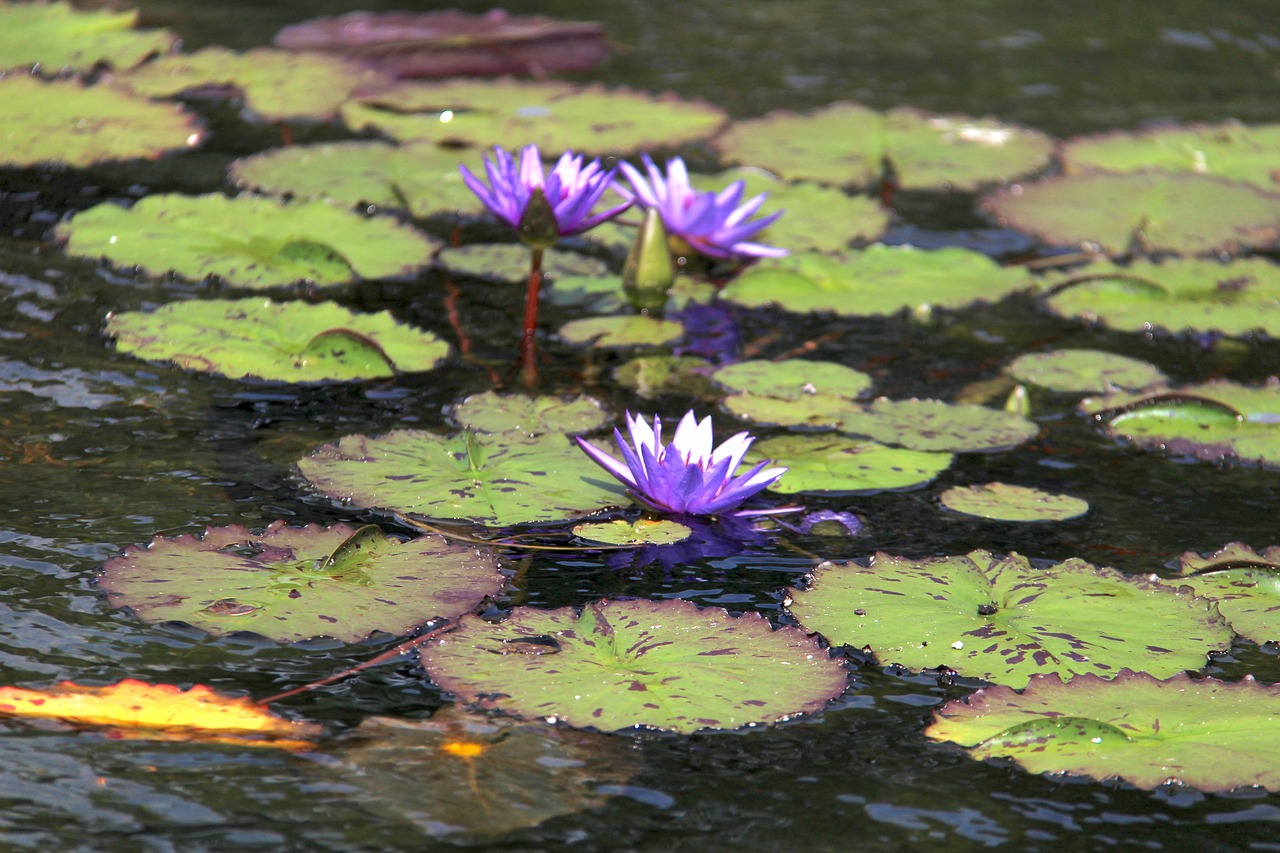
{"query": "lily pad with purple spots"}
pixel 494 479
pixel 1084 371
pixel 1213 421
pixel 936 425
pixel 1245 584
pixel 1006 502
pixel 1198 732
pixel 877 281
pixel 832 463
pixel 1178 294
pixel 848 144
pixel 490 411
pixel 1005 620
pixel 1142 212
pixel 294 583
pixel 636 664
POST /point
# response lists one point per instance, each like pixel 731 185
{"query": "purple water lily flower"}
pixel 714 224
pixel 687 476
pixel 571 189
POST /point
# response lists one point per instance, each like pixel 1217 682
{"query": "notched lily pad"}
pixel 56 37
pixel 1244 583
pixel 628 664
pixel 276 85
pixel 553 116
pixel 493 412
pixel 641 532
pixel 1202 732
pixel 837 464
pixel 420 178
pixel 794 392
pixel 460 774
pixel 1143 212
pixel 1179 294
pixel 880 280
pixel 64 121
pixel 247 241
pixel 279 342
pixel 935 425
pixel 494 479
pixel 621 332
pixel 293 583
pixel 1003 620
pixel 847 144
pixel 510 262
pixel 1229 150
pixel 1084 371
pixel 1005 502
pixel 1213 422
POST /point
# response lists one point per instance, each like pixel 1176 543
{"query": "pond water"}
pixel 99 451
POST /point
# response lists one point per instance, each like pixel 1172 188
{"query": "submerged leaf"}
pixel 1205 733
pixel 627 664
pixel 160 711
pixel 1003 620
pixel 294 583
pixel 280 342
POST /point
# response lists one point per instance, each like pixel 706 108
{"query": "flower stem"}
pixel 529 341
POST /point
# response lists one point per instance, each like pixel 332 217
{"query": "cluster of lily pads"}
pixel 1086 665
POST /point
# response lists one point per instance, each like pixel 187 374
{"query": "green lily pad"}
pixel 1002 620
pixel 1083 371
pixel 1005 502
pixel 420 178
pixel 1144 212
pixel 247 241
pixel 1202 732
pixel 276 341
pixel 1213 421
pixel 57 37
pixel 461 774
pixel 495 479
pixel 879 280
pixel 626 664
pixel 816 217
pixel 493 412
pixel 1180 294
pixel 1244 583
pixel 553 116
pixel 510 262
pixel 837 464
pixel 794 392
pixel 64 121
pixel 294 583
pixel 641 532
pixel 277 85
pixel 1230 150
pixel 935 425
pixel 847 144
pixel 621 331
pixel 652 376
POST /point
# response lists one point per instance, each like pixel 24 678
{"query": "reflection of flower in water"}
pixel 688 476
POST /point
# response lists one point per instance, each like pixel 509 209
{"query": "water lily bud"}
pixel 538 227
pixel 1018 402
pixel 649 271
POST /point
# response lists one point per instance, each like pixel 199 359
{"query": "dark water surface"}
pixel 99 451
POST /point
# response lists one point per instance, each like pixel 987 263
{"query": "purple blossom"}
pixel 712 223
pixel 687 476
pixel 571 190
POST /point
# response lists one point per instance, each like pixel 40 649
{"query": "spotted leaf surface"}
pixel 625 664
pixel 1084 371
pixel 293 583
pixel 1205 733
pixel 936 425
pixel 495 479
pixel 1245 584
pixel 1006 502
pixel 831 463
pixel 1003 620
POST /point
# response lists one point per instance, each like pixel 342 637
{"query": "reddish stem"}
pixel 529 341
pixel 401 649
